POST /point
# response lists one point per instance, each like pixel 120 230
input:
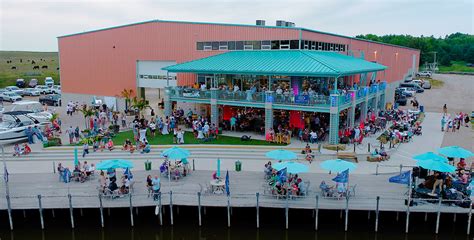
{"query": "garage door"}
pixel 150 75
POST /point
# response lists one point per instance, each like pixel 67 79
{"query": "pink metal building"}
pixel 102 63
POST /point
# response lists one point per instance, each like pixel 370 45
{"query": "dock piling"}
pixel 171 207
pixel 40 208
pixel 316 220
pixel 194 166
pixel 377 169
pixel 469 216
pixel 426 216
pixel 101 211
pixel 377 214
pixel 454 218
pixel 131 210
pixel 258 210
pixel 71 211
pixel 10 218
pixel 199 208
pixel 346 222
pixel 228 210
pixel 161 208
pixel 286 211
pixel 438 215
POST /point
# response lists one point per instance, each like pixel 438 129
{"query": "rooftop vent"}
pixel 260 22
pixel 281 23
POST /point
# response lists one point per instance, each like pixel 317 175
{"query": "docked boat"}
pixel 33 109
pixel 14 123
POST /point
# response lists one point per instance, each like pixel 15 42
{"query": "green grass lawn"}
pixel 456 66
pixel 120 138
pixel 436 83
pixel 24 69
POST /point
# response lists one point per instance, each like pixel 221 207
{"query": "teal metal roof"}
pixel 282 62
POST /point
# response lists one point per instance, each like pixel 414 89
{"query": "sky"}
pixel 34 25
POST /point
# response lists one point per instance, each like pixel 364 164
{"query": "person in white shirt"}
pixel 313 136
pixel 203 87
pixel 236 88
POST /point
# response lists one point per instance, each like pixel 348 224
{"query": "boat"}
pixel 14 123
pixel 31 108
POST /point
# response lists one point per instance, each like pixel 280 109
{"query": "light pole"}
pixel 5 172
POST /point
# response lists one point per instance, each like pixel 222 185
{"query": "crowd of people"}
pixel 281 184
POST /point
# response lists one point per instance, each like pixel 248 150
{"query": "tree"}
pixel 127 94
pixel 140 104
pixel 87 112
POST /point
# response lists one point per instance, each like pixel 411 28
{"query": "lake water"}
pixel 243 220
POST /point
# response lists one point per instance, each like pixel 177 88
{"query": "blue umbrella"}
pixel 430 156
pixel 338 165
pixel 436 165
pixel 455 152
pixel 175 153
pixel 76 160
pixel 281 154
pixel 114 163
pixel 291 167
pixel 218 172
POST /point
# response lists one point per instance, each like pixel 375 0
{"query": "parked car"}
pixel 14 89
pixel 56 89
pixel 401 100
pixel 415 86
pixel 43 89
pixel 407 92
pixel 427 85
pixel 31 92
pixel 20 83
pixel 49 82
pixel 52 100
pixel 33 83
pixel 10 96
pixel 423 74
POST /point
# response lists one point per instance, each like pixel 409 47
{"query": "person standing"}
pixel 70 133
pixel 29 135
pixel 443 123
pixel 156 187
pixel 445 109
pixel 85 149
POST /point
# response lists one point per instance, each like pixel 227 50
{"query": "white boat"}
pixel 14 123
pixel 31 108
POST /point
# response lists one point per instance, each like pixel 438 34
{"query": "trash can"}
pixel 238 166
pixel 147 166
pixel 422 108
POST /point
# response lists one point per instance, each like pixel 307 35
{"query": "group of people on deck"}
pixel 282 184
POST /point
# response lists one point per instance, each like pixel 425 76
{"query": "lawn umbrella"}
pixel 455 152
pixel 113 164
pixel 430 156
pixel 291 167
pixel 175 153
pixel 436 165
pixel 218 172
pixel 76 160
pixel 338 165
pixel 281 154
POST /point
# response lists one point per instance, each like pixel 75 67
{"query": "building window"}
pixel 343 48
pixel 285 44
pixel 257 45
pixel 294 44
pixel 266 45
pixel 239 45
pixel 275 44
pixel 223 46
pixel 200 46
pixel 231 45
pixel 207 46
pixel 215 45
pixel 313 45
pixel 320 46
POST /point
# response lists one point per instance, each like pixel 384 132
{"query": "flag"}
pixel 403 178
pixel 342 177
pixel 227 186
pixel 282 175
pixel 5 174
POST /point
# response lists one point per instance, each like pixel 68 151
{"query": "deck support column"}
pixel 352 108
pixel 364 105
pixel 376 101
pixel 334 119
pixel 199 208
pixel 71 211
pixel 268 111
pixel 214 108
pixel 40 208
pixel 10 219
pixel 167 101
pixel 258 210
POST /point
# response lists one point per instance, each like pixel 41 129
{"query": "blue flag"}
pixel 403 178
pixel 282 175
pixel 227 186
pixel 5 173
pixel 342 177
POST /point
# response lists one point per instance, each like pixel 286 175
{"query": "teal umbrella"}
pixel 436 165
pixel 291 167
pixel 76 160
pixel 430 156
pixel 338 165
pixel 455 152
pixel 113 164
pixel 175 153
pixel 218 172
pixel 281 154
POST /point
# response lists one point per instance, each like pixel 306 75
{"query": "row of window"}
pixel 159 77
pixel 270 45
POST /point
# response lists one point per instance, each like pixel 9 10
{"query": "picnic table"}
pixel 217 186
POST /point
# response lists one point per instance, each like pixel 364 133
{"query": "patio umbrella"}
pixel 430 156
pixel 76 160
pixel 281 154
pixel 218 172
pixel 436 165
pixel 338 165
pixel 175 153
pixel 113 164
pixel 291 167
pixel 455 152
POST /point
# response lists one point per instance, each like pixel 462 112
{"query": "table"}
pixel 217 186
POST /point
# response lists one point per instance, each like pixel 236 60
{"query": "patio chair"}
pixel 351 192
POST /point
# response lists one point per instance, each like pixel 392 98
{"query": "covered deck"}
pixel 311 81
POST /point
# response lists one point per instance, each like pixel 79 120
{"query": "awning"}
pixel 279 62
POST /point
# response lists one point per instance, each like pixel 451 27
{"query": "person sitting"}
pixel 326 190
pixel 146 148
pixel 101 146
pixel 301 186
pixel 95 145
pixel 26 149
pixel 17 150
pixel 78 175
pixel 127 145
pixel 461 164
pixel 214 176
pixel 110 145
pixel 112 186
pixel 309 157
pixel 306 149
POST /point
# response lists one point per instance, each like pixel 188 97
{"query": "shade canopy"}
pixel 113 164
pixel 455 152
pixel 175 153
pixel 281 154
pixel 291 167
pixel 430 156
pixel 436 165
pixel 338 165
pixel 288 63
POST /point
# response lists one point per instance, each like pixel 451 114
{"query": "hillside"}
pixel 21 66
